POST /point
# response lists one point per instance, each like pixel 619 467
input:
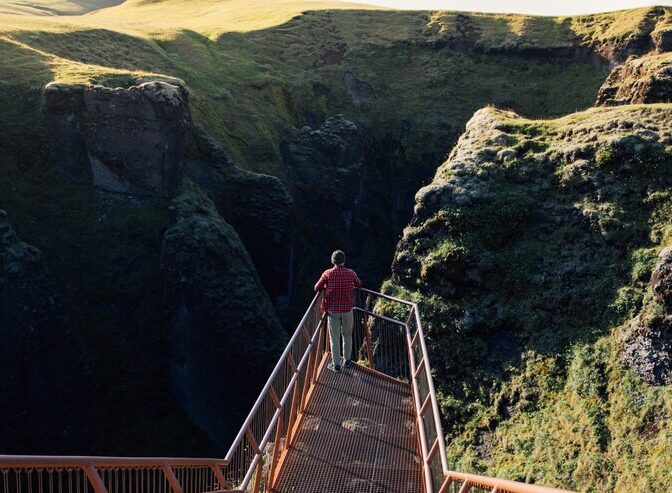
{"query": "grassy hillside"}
pixel 53 7
pixel 259 71
pixel 532 246
pixel 253 84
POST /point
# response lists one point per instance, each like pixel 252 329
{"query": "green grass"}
pixel 258 70
pixel 523 305
pixel 251 69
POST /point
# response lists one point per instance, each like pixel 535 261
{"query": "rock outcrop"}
pixel 639 80
pixel 258 206
pixel 43 363
pixel 646 344
pixel 524 253
pixel 328 170
pixel 129 141
pixel 493 225
pixel 224 336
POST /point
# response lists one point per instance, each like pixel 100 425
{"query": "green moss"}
pixel 559 245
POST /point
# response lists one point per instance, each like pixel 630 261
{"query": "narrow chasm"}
pixel 167 210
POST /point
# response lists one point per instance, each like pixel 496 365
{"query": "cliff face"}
pixel 223 334
pixel 46 367
pixel 534 240
pixel 645 76
pixel 162 294
pixel 128 141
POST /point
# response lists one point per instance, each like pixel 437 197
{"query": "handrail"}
pixel 269 429
pixel 432 390
pixel 501 485
pixel 387 297
pixel 72 474
pixel 273 419
pixel 269 382
pixel 103 461
pixel 378 315
pixel 432 441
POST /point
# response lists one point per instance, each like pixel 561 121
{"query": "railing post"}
pixel 276 452
pixel 445 487
pixel 223 483
pixel 307 381
pixel 319 350
pixel 258 476
pixel 367 333
pixel 466 486
pixel 292 415
pixel 94 479
pixel 172 479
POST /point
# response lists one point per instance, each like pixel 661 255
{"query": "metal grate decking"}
pixel 356 436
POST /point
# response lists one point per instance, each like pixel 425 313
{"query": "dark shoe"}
pixel 335 368
pixel 347 363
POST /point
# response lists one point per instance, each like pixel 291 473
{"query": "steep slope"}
pixel 410 79
pixel 47 362
pixel 53 7
pixel 534 242
pixel 243 99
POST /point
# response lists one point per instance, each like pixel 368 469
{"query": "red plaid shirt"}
pixel 339 286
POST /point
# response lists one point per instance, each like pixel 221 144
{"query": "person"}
pixel 339 284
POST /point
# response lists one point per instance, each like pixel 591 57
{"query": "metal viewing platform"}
pixel 374 428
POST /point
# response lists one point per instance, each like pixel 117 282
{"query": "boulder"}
pixel 647 341
pixel 647 350
pixel 129 141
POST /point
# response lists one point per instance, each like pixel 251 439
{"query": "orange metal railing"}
pixel 254 458
pixel 110 474
pixel 436 476
pixel 388 338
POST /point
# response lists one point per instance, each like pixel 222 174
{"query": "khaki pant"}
pixel 340 324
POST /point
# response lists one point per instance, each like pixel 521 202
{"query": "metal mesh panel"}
pixel 358 435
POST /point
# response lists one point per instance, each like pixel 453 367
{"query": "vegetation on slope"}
pixel 257 73
pixel 533 244
pixel 413 78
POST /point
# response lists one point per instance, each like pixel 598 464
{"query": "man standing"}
pixel 339 286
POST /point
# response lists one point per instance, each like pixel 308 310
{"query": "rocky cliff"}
pixel 127 141
pixel 534 241
pixel 224 337
pixel 46 367
pixel 160 295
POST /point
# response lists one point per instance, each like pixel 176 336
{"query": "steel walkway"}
pixel 357 435
pixel 375 428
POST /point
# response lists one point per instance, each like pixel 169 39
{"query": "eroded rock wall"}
pixel 128 141
pixel 47 379
pixel 223 334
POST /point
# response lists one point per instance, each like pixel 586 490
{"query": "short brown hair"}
pixel 338 257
